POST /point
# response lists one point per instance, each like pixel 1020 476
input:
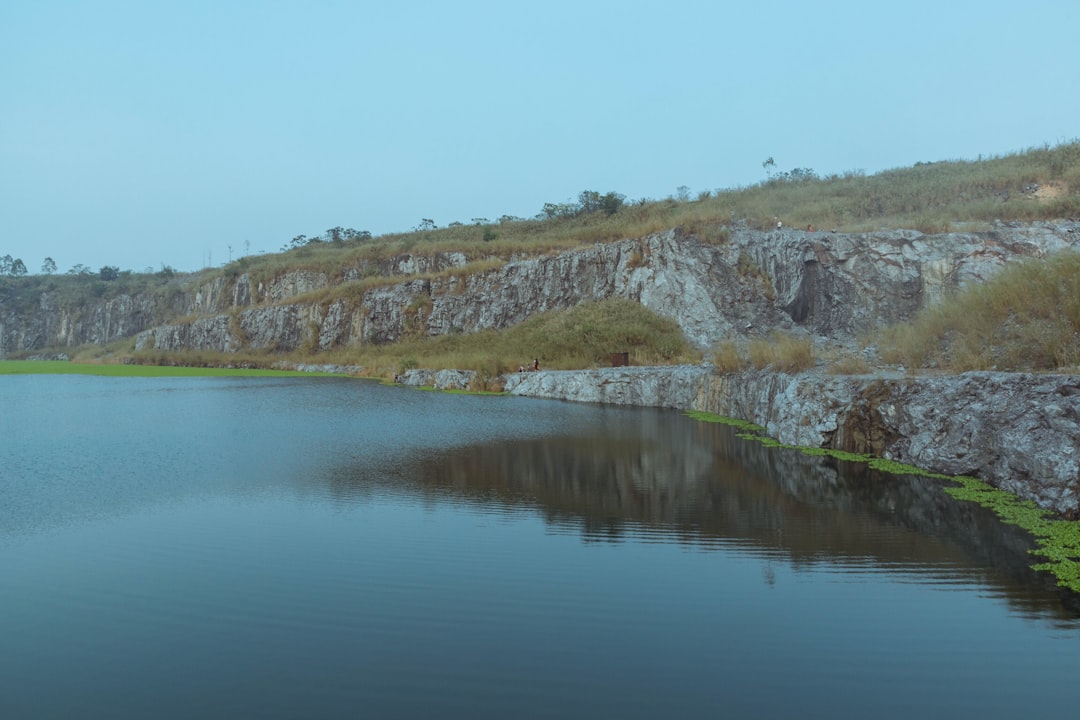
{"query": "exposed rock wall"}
pixel 832 285
pixel 52 322
pixel 1020 432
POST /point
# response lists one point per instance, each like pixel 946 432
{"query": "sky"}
pixel 145 134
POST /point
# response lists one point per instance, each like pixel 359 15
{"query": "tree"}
pixel 426 224
pixel 682 193
pixel 18 267
pixel 795 175
pixel 49 266
pixel 358 235
pixel 769 165
pixel 5 264
pixel 800 174
pixel 592 201
pixel 589 200
pixel 611 202
pixel 558 210
pixel 109 272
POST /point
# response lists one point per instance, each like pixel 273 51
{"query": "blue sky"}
pixel 142 134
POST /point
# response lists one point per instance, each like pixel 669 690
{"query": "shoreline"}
pixel 1017 431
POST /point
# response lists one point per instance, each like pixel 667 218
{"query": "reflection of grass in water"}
pixel 1058 540
pixel 60 367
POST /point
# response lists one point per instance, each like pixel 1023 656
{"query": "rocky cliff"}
pixel 190 309
pixel 833 285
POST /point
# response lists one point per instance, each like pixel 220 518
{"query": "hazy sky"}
pixel 144 133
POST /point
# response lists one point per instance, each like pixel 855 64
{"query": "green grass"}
pixel 59 367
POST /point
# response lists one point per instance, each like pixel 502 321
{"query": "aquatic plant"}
pixel 1058 539
pixel 703 416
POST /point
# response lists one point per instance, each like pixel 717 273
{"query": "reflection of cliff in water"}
pixel 699 484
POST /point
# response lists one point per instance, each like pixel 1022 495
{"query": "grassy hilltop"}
pixel 1027 319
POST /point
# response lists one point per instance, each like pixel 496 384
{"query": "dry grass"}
pixel 932 197
pixel 848 365
pixel 727 358
pixel 782 352
pixel 1027 317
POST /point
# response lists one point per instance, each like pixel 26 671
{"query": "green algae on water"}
pixel 1058 540
pixel 722 420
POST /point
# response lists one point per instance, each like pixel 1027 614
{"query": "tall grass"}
pixel 782 352
pixel 582 337
pixel 1027 317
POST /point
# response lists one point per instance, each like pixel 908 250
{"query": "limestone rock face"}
pixel 406 264
pixel 831 285
pixel 438 379
pixel 674 387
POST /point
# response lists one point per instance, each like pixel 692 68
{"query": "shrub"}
pixel 782 352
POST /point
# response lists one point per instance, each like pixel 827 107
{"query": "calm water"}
pixel 335 548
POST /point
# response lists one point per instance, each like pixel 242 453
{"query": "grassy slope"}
pixel 932 197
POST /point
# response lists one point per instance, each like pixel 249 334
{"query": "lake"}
pixel 332 547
